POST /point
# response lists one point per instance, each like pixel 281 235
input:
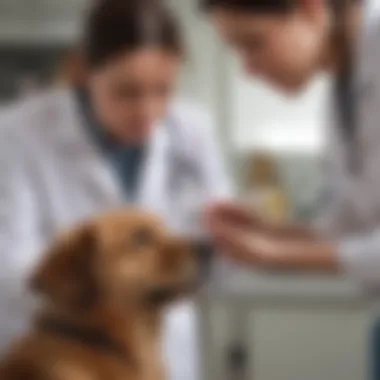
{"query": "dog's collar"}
pixel 93 338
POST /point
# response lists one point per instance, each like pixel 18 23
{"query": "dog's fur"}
pixel 114 274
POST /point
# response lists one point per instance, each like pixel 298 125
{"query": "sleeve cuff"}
pixel 360 258
pixel 347 256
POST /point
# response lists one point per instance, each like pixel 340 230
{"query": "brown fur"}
pixel 103 275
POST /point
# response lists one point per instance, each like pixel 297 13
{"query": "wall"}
pixel 37 21
pixel 263 117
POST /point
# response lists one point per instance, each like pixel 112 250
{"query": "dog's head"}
pixel 119 258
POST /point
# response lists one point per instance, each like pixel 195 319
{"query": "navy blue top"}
pixel 126 160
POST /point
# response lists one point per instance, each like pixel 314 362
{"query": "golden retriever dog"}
pixel 104 288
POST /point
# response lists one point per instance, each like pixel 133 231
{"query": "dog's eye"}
pixel 143 238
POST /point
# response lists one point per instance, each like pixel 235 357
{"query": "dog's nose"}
pixel 204 251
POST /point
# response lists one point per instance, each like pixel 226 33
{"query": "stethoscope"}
pixel 183 170
pixel 186 182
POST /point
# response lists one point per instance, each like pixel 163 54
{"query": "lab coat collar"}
pixel 74 143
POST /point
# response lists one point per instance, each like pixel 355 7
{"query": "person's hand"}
pixel 244 237
pixel 241 234
pixel 233 212
pixel 249 246
pixel 245 216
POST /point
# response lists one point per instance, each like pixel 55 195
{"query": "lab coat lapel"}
pixel 90 168
pixel 91 171
pixel 100 182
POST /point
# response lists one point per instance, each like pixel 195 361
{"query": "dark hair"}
pixel 117 26
pixel 262 6
pixel 265 6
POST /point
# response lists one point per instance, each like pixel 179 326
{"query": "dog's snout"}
pixel 204 251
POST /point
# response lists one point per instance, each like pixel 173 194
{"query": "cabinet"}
pixel 313 343
pixel 287 334
pixel 40 21
pixel 33 34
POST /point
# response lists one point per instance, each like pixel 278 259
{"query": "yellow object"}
pixel 266 193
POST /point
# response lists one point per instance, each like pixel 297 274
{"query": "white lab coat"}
pixel 352 217
pixel 52 176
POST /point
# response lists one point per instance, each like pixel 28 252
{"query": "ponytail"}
pixel 344 85
pixel 261 6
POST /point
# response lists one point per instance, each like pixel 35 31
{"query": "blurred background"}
pixel 268 326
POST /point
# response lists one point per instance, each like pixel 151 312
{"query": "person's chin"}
pixel 135 138
pixel 294 87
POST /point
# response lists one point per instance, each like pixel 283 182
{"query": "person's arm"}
pixel 263 249
pixel 288 232
pixel 198 145
pixel 357 256
pixel 18 236
pixel 313 255
pixel 209 154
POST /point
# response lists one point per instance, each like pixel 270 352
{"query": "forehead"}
pixel 118 225
pixel 149 61
pixel 237 23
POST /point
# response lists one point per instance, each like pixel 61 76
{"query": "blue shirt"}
pixel 126 160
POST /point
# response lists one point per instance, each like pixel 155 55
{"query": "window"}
pixel 261 117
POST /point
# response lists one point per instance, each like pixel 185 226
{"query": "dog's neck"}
pixel 136 330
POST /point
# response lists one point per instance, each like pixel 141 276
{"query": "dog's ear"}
pixel 66 276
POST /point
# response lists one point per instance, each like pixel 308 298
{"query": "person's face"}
pixel 284 49
pixel 131 93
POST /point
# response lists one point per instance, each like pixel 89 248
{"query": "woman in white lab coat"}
pixel 287 42
pixel 122 139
